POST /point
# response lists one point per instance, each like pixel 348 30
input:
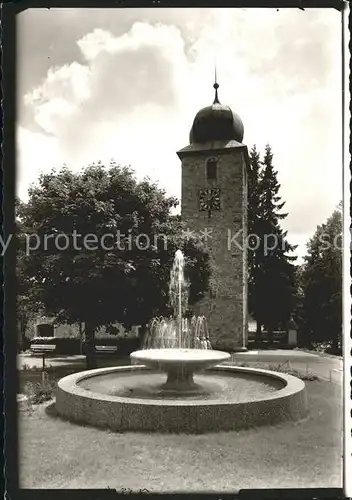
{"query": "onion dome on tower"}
pixel 216 123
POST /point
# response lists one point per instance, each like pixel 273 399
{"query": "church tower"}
pixel 214 206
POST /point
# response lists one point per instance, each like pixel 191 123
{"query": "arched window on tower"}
pixel 211 167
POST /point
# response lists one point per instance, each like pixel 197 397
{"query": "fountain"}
pixel 179 346
pixel 198 394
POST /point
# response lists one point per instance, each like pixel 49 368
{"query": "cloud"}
pixel 132 75
pixel 117 105
pixel 36 153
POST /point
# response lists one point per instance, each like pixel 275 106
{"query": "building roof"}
pixel 216 123
pixel 210 146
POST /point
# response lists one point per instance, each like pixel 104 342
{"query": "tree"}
pixel 27 309
pixel 271 284
pixel 322 284
pixel 27 303
pixel 102 247
pixel 297 312
pixel 254 228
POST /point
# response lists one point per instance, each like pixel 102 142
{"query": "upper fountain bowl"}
pixel 193 359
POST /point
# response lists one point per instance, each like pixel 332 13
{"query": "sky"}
pixel 125 84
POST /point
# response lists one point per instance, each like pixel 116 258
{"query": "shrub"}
pixel 286 368
pixel 321 346
pixel 64 345
pixel 282 368
pixel 36 368
pixel 26 367
pixel 327 347
pixel 39 392
pixel 43 340
pixel 125 345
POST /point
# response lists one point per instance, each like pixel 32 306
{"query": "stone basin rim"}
pixel 70 384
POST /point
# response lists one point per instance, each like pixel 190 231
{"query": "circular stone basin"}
pixel 211 386
pixel 133 398
pixel 179 364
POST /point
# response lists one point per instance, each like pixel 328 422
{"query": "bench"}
pixel 109 349
pixel 42 348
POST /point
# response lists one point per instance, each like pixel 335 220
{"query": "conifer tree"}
pixel 271 284
pixel 254 230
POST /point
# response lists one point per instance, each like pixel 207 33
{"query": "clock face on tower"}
pixel 209 199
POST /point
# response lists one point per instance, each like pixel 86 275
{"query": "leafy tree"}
pixel 83 275
pixel 271 283
pixel 27 310
pixel 28 305
pixel 297 312
pixel 322 284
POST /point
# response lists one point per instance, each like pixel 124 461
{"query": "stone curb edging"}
pixel 127 414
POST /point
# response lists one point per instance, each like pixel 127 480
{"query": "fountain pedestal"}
pixel 179 364
pixel 179 380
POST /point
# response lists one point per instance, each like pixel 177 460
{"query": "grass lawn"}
pixel 55 372
pixel 304 454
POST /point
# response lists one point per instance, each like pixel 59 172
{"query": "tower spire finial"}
pixel 216 86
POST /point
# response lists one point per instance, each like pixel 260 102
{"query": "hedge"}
pixel 64 345
pixel 125 345
pixel 71 345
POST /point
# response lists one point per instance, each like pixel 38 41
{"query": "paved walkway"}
pixel 325 367
pixel 35 360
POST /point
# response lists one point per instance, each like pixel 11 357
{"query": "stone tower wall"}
pixel 226 306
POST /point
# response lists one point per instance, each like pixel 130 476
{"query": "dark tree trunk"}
pixel 142 335
pixel 309 342
pixel 80 337
pixel 258 333
pixel 23 327
pixel 335 343
pixel 271 335
pixel 91 359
